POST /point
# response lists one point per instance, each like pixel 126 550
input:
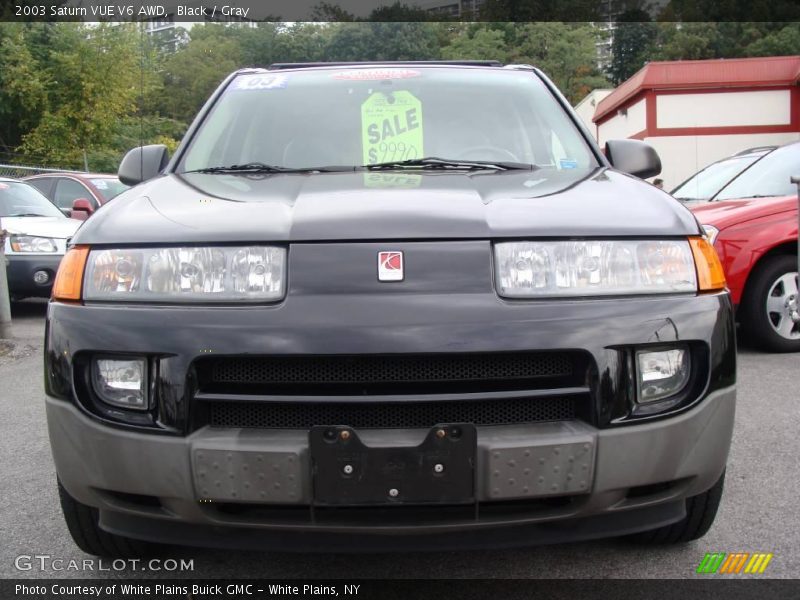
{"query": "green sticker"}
pixel 391 127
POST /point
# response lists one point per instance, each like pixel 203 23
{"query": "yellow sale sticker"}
pixel 391 127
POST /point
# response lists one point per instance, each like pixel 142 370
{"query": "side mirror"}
pixel 142 163
pixel 81 209
pixel 633 157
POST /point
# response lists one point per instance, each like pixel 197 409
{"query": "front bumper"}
pixel 155 484
pixel 20 271
pixel 621 481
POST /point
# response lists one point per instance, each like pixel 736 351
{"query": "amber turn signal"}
pixel 710 276
pixel 69 278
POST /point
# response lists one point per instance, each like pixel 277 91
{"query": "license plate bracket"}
pixel 347 472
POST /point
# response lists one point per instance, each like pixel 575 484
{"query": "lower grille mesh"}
pixel 299 415
pixel 335 375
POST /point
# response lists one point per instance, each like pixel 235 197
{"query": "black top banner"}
pixel 254 11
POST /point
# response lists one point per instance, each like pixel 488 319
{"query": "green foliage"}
pixel 191 74
pixel 633 44
pixel 541 11
pixel 382 41
pixel 564 51
pixel 480 44
pixel 784 42
pixel 91 83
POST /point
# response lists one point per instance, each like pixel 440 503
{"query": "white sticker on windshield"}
pixel 260 82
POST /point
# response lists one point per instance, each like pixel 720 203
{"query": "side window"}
pixel 44 185
pixel 69 190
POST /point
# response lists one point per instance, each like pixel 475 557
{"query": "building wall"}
pixel 724 109
pixel 684 155
pixel 586 107
pixel 622 126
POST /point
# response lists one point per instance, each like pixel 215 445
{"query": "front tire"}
pixel 83 524
pixel 701 510
pixel 769 301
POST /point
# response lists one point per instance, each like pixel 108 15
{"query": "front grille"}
pixel 380 415
pixel 388 374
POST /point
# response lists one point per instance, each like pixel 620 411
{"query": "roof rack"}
pixel 393 63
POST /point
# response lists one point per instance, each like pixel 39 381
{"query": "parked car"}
pixel 79 194
pixel 389 305
pixel 704 185
pixel 36 240
pixel 753 225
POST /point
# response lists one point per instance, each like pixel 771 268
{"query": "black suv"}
pixel 412 303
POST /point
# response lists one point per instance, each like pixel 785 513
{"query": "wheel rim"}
pixel 783 307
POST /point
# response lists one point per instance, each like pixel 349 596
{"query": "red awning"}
pixel 703 74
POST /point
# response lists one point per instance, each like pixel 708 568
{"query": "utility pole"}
pixel 796 314
pixel 5 302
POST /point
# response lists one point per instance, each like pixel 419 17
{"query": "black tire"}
pixel 82 522
pixel 701 510
pixel 755 322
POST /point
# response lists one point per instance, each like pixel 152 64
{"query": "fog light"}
pixel 661 374
pixel 121 382
pixel 41 277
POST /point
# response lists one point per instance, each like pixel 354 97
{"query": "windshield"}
pixel 771 176
pixel 21 199
pixel 704 184
pixel 354 117
pixel 109 187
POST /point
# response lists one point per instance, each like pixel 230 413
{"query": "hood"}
pixel 725 213
pixel 387 205
pixel 52 227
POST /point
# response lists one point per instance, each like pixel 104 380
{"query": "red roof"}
pixel 698 74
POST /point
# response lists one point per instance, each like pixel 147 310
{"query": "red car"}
pixel 753 223
pixel 79 194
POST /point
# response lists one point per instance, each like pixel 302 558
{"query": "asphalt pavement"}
pixel 759 511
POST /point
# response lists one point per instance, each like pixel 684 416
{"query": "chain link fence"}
pixel 17 171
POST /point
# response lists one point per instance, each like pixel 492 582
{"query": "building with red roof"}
pixel 698 111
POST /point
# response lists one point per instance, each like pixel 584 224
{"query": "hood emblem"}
pixel 390 266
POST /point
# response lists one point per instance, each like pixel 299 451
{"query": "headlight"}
pixel 30 243
pixel 594 268
pixel 711 233
pixel 187 274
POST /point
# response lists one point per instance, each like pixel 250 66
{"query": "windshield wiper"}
pixel 26 215
pixel 434 162
pixel 257 167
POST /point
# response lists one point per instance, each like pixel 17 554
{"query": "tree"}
pixel 784 42
pixel 565 52
pixel 192 73
pixel 633 42
pixel 23 88
pixel 540 11
pixel 479 44
pixel 382 41
pixel 399 12
pixel 92 76
pixel 689 41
